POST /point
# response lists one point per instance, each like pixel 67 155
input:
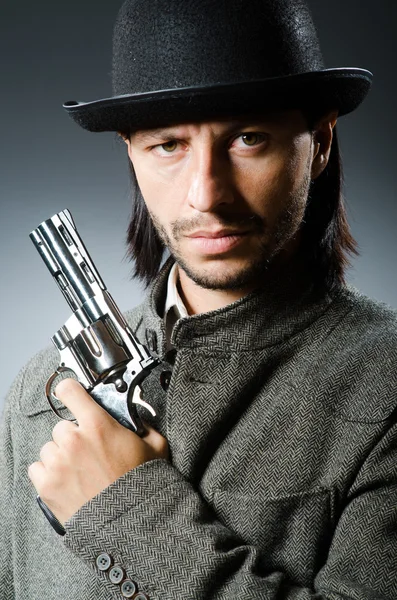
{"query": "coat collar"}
pixel 263 318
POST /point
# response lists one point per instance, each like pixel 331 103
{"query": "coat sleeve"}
pixel 6 494
pixel 155 526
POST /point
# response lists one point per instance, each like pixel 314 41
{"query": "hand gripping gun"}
pixel 96 343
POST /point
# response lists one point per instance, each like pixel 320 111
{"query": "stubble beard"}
pixel 269 254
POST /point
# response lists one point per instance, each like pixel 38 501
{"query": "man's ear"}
pixel 322 140
pixel 126 138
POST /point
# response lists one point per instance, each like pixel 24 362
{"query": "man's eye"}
pixel 251 139
pixel 169 147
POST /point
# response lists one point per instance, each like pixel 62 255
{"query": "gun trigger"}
pixel 137 399
pixel 51 396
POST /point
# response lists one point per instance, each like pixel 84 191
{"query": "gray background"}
pixel 51 52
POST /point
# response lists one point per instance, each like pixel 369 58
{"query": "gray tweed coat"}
pixel 282 483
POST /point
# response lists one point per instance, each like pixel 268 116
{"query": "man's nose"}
pixel 211 183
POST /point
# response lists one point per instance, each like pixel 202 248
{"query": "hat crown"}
pixel 167 44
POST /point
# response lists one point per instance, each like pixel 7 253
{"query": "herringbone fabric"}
pixel 282 482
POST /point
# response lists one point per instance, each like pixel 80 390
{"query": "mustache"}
pixel 251 222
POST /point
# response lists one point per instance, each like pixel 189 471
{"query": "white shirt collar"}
pixel 173 299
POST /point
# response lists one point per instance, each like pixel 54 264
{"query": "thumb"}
pixel 156 441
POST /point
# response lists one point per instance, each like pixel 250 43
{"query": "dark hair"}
pixel 326 241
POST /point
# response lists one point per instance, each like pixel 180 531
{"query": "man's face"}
pixel 227 197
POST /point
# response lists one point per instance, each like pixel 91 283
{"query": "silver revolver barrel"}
pixel 96 342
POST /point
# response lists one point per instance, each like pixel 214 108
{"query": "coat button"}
pixel 116 575
pixel 165 378
pixel 128 588
pixel 141 596
pixel 104 561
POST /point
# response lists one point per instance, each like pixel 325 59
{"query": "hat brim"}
pixel 343 89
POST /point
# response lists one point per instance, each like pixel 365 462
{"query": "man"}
pixel 271 468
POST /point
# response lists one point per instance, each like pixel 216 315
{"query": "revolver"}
pixel 95 343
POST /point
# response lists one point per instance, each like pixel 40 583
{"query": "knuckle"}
pixel 66 435
pixel 51 458
pixel 164 449
pixel 72 440
pixel 162 443
pixel 32 470
pixel 62 428
pixel 46 451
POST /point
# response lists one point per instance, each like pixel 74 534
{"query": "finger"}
pixel 86 411
pixel 48 453
pixel 155 440
pixel 36 473
pixel 62 429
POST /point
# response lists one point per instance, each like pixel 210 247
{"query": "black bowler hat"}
pixel 185 60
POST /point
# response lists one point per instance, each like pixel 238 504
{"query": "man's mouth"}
pixel 216 234
pixel 216 242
